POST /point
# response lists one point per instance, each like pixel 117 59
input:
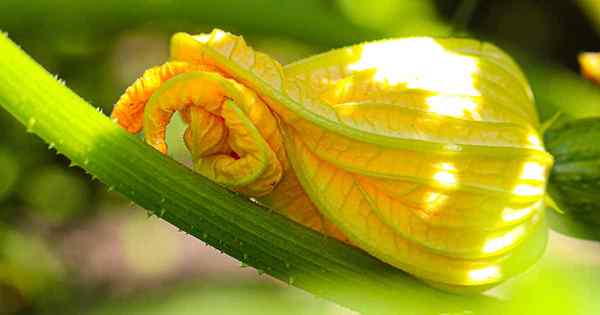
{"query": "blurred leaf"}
pixel 565 281
pixel 284 50
pixel 214 298
pixel 575 178
pixel 9 172
pixel 396 18
pixel 28 264
pixel 592 9
pixel 55 194
pixel 308 20
pixel 558 89
pixel 140 253
pixel 463 15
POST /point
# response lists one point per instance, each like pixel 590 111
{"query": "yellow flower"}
pixel 423 152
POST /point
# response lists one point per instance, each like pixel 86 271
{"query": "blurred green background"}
pixel 67 246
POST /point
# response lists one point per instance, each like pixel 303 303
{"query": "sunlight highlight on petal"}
pixel 203 38
pixel 528 190
pixel 533 170
pixel 420 63
pixel 503 241
pixel 511 214
pixel 218 35
pixel 484 274
pixel 434 201
pixel 534 140
pixel 453 105
pixel 445 177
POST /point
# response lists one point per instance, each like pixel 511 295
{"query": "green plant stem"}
pixel 235 225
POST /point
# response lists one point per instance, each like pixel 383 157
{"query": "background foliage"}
pixel 69 246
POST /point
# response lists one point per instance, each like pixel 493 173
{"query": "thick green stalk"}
pixel 235 225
